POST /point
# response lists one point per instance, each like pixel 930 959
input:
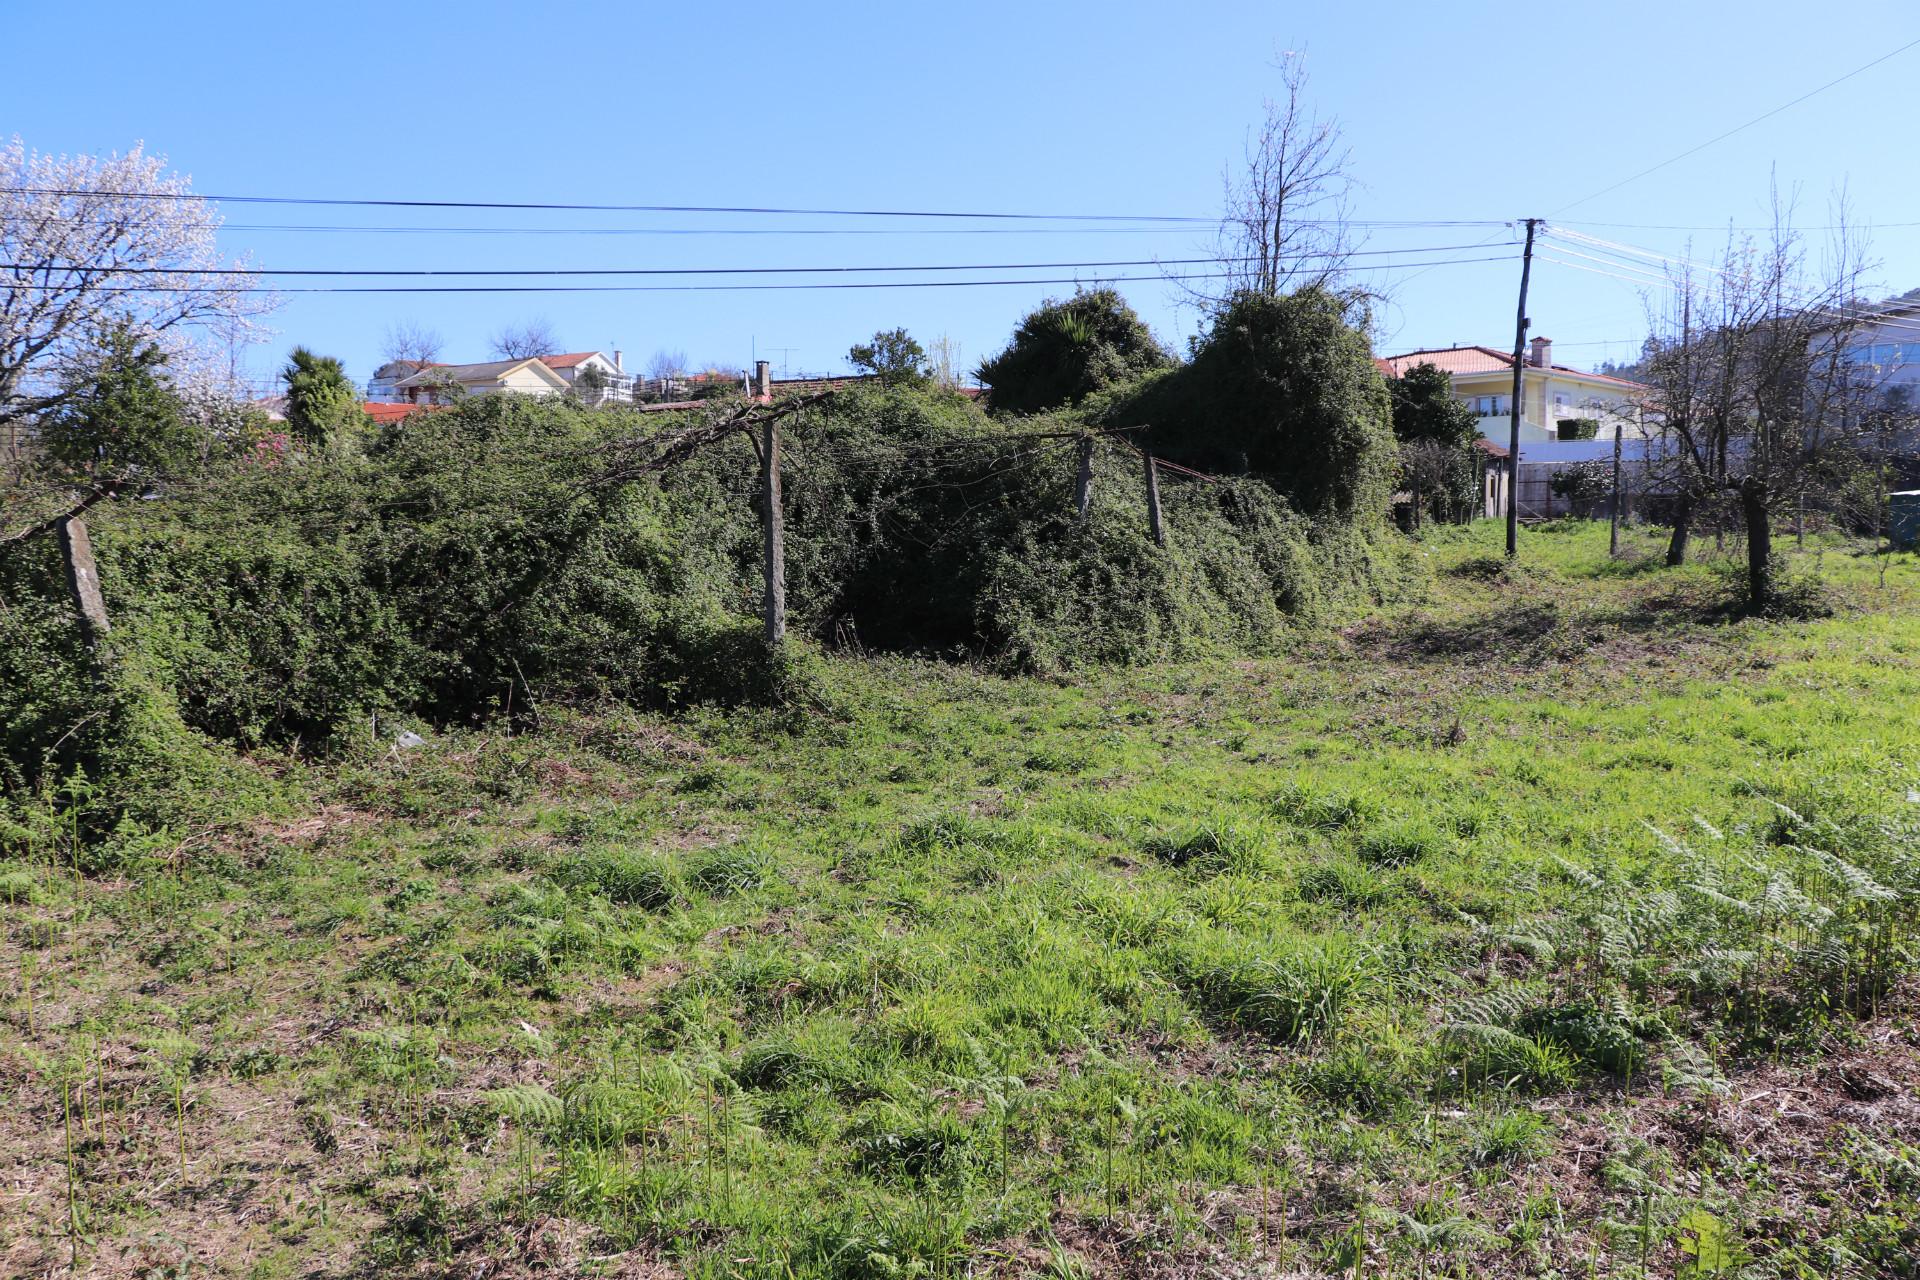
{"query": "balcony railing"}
pixel 614 389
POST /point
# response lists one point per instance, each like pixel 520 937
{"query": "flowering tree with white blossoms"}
pixel 95 246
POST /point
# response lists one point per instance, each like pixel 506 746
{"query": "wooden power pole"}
pixel 773 523
pixel 1519 388
pixel 1083 489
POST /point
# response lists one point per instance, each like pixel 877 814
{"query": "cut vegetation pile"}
pixel 1551 925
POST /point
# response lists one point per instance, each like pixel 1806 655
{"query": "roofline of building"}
pixel 1506 359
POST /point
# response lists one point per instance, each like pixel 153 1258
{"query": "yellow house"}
pixel 529 377
pixel 1483 377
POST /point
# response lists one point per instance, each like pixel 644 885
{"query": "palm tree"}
pixel 321 403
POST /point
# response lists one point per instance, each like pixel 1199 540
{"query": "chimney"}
pixel 617 365
pixel 1542 355
pixel 762 381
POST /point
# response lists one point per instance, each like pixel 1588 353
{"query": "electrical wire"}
pixel 1382 224
pixel 1669 226
pixel 1626 258
pixel 679 271
pixel 1864 318
pixel 703 288
pixel 762 210
pixel 1739 128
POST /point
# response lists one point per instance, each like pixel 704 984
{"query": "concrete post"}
pixel 1083 490
pixel 1153 503
pixel 774 568
pixel 83 578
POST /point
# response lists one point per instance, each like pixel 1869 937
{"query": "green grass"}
pixel 1478 936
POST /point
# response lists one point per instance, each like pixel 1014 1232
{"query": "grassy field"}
pixel 1555 923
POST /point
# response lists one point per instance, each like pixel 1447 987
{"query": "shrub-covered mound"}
pixel 490 559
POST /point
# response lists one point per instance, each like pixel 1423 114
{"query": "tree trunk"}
pixel 1682 532
pixel 1753 505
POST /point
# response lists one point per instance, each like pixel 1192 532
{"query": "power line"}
pixel 681 271
pixel 706 288
pixel 1623 257
pixel 1632 280
pixel 341 201
pixel 704 231
pixel 1647 278
pixel 1668 226
pixel 1739 128
pixel 1382 224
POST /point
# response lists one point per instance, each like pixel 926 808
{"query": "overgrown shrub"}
pixel 1063 352
pixel 1285 389
pixel 479 562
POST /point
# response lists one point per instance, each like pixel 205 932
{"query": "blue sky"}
pixel 1453 112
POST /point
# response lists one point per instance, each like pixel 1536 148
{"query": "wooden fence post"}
pixel 1153 501
pixel 772 520
pixel 83 578
pixel 1083 490
pixel 1613 516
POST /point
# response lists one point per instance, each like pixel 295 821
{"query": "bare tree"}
pixel 1753 391
pixel 95 247
pixel 1285 225
pixel 667 364
pixel 411 342
pixel 525 341
pixel 943 358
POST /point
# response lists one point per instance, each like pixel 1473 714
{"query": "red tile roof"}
pixel 1476 360
pixel 1451 359
pixel 384 412
pixel 567 360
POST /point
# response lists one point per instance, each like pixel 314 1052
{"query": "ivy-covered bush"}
pixel 1285 389
pixel 1063 352
pixel 479 561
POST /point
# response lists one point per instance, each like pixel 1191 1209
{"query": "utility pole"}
pixel 1519 387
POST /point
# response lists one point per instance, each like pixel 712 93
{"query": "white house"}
pixel 593 376
pixel 1550 393
pixel 439 383
pixel 1885 349
pixel 380 387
